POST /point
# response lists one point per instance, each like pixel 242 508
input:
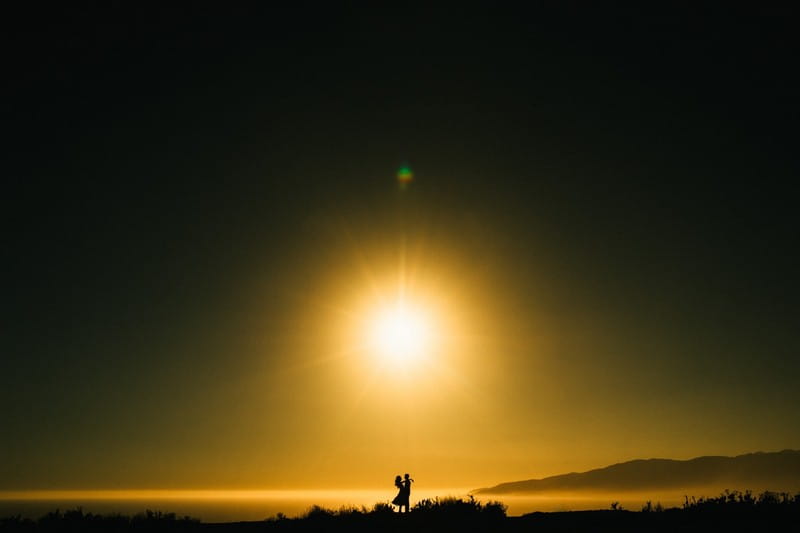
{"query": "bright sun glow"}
pixel 400 334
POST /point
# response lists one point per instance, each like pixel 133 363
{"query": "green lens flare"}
pixel 405 175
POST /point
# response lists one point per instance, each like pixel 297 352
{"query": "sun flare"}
pixel 400 334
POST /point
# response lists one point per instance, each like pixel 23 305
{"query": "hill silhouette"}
pixel 759 471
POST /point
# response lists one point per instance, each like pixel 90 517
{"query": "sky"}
pixel 201 219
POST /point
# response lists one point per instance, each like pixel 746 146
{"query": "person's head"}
pixel 397 480
pixel 407 476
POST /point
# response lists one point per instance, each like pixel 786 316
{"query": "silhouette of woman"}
pixel 399 499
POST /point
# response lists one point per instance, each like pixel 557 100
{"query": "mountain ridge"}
pixel 754 471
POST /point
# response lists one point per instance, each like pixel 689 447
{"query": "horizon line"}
pixel 197 494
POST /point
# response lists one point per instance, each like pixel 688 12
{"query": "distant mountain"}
pixel 778 471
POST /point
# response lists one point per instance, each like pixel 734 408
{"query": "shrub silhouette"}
pixel 648 507
pixel 730 511
pixel 382 508
pixel 459 507
pixel 316 512
pixel 76 520
pixel 743 501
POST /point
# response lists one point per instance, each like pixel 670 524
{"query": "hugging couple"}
pixel 404 494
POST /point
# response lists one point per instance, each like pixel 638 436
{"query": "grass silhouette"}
pixel 731 511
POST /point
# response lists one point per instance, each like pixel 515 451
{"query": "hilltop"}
pixel 777 471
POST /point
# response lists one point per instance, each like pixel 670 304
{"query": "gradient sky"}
pixel 200 208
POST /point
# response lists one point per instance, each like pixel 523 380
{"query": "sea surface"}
pixel 252 505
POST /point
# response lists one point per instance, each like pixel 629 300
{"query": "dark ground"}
pixel 577 521
pixel 730 512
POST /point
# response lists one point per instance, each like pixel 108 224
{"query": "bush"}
pixel 461 507
pixel 317 512
pixel 743 501
pixel 382 508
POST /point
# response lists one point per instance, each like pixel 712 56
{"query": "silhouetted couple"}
pixel 404 494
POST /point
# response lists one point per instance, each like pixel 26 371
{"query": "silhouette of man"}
pixel 406 500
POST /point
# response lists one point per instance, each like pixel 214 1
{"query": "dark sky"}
pixel 167 172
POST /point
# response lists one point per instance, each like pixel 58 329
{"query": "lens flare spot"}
pixel 404 176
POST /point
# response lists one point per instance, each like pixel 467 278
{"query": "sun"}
pixel 400 333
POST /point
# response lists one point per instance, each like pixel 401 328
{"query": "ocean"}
pixel 254 505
